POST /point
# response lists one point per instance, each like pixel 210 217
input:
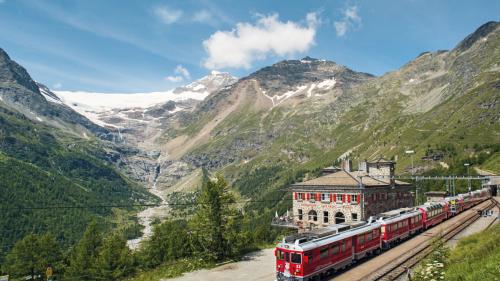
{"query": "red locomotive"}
pixel 309 256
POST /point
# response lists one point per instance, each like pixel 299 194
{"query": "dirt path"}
pixel 255 266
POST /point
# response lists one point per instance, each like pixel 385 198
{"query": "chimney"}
pixel 346 165
pixel 363 166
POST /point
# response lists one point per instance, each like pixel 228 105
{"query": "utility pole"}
pixel 411 152
pixel 469 187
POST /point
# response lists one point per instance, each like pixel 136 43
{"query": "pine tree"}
pixel 32 255
pixel 84 256
pixel 115 259
pixel 212 220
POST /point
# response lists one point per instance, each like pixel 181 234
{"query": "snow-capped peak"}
pixel 99 107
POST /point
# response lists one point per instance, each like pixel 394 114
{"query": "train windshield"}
pixel 280 255
pixel 296 258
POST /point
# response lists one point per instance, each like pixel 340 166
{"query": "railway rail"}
pixel 398 266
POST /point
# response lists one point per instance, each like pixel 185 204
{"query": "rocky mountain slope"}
pixel 50 157
pixel 286 121
pixel 295 116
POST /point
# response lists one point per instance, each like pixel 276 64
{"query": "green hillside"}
pixel 42 168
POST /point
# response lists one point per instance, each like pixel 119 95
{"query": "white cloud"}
pixel 240 47
pixel 340 27
pixel 350 20
pixel 203 16
pixel 56 85
pixel 168 15
pixel 182 72
pixel 174 79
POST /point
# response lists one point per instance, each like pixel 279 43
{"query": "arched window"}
pixel 339 217
pixel 313 216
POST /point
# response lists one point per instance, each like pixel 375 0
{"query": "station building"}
pixel 344 195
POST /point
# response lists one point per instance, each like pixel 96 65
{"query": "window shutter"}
pixel 318 196
pixel 359 198
pixel 295 195
pixel 307 196
pixel 343 198
pixel 348 198
pixel 331 197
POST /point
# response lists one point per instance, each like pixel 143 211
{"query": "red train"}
pixel 309 256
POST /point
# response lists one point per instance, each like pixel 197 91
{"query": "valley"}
pixel 136 163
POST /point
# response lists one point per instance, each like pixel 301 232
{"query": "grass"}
pixel 476 257
pixel 171 270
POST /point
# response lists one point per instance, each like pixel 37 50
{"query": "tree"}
pixel 32 255
pixel 115 259
pixel 213 219
pixel 170 241
pixel 84 256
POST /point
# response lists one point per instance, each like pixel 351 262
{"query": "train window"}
pixel 296 258
pixel 343 246
pixel 382 229
pixel 300 214
pixel 309 257
pixel 361 239
pixel 280 255
pixel 335 249
pixel 369 237
pixel 323 253
pixel 375 232
pixel 287 256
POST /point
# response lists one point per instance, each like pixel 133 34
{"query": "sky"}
pixel 153 45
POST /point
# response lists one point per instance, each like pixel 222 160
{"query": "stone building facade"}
pixel 345 195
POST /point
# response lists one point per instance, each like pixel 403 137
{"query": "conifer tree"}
pixel 115 259
pixel 211 222
pixel 32 255
pixel 84 256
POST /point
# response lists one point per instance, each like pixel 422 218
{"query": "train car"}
pixel 467 200
pixel 399 224
pixel 306 258
pixel 454 205
pixel 433 213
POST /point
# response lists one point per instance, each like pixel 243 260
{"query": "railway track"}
pixel 397 268
pixel 391 264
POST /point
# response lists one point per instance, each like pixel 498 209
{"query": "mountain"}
pixel 138 117
pixel 53 168
pixel 285 121
pixel 21 93
pixel 278 125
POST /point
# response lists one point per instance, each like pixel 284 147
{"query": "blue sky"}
pixel 140 46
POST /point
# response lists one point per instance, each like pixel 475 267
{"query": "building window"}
pixel 354 216
pixel 338 198
pixel 313 216
pixel 300 214
pixel 325 216
pixel 325 197
pixel 300 196
pixel 312 196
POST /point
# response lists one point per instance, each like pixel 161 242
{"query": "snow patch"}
pixel 309 91
pixel 276 100
pixel 327 84
pixel 46 95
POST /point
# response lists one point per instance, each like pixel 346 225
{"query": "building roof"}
pixel 349 179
